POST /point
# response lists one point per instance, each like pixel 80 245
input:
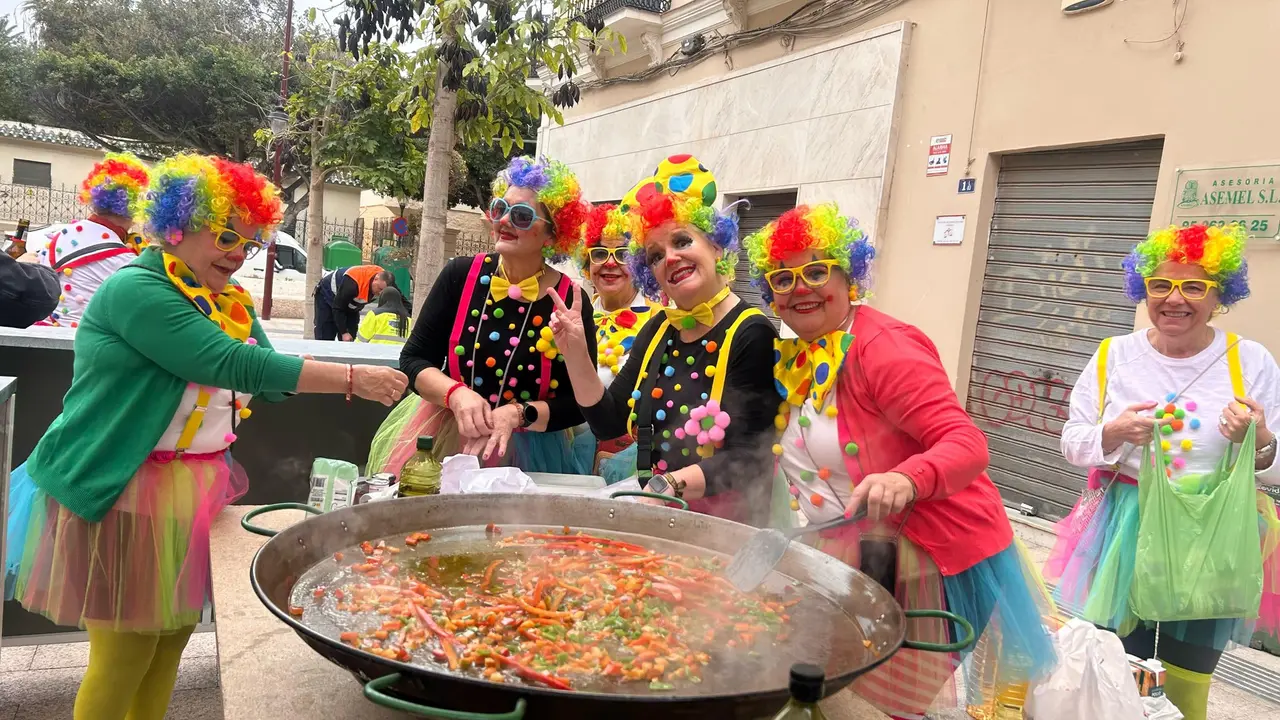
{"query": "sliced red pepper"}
pixel 529 673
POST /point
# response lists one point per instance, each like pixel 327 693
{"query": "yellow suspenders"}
pixel 722 361
pixel 1233 368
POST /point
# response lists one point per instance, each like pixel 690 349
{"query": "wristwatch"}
pixel 528 415
pixel 661 482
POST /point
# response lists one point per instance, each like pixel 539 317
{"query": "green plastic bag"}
pixel 1199 556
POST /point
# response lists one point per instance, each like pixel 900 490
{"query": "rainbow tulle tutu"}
pixel 1093 566
pixel 144 567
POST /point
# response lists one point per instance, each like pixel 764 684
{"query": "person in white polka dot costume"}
pixel 86 252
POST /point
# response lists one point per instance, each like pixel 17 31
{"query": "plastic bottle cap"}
pixel 426 443
pixel 806 682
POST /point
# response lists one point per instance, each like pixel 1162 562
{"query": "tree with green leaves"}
pixel 470 81
pixel 15 72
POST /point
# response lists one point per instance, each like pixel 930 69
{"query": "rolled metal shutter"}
pixel 1052 290
pixel 764 210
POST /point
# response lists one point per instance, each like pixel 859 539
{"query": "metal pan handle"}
pixel 244 521
pixel 373 692
pixel 657 496
pixel 958 646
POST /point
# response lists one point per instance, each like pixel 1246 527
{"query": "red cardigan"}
pixel 896 402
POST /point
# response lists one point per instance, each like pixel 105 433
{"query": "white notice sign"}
pixel 948 230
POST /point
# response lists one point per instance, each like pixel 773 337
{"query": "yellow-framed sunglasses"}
pixel 1189 288
pixel 814 274
pixel 228 240
pixel 599 255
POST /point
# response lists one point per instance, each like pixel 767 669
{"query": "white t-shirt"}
pixel 220 419
pixel 1137 373
pixel 803 462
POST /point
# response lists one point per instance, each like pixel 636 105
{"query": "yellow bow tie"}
pixel 703 313
pixel 808 369
pixel 500 288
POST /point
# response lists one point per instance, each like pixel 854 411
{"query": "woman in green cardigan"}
pixel 109 518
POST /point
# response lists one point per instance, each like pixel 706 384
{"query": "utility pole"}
pixel 279 122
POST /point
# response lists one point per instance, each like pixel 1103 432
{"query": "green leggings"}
pixel 130 675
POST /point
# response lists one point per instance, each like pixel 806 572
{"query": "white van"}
pixel 291 260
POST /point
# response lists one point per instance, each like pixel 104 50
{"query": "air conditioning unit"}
pixel 1074 7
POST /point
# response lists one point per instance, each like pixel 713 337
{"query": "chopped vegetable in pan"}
pixel 559 609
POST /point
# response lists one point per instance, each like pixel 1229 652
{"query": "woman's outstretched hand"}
pixel 379 384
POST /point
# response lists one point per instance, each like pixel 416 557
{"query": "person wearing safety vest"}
pixel 386 323
pixel 341 294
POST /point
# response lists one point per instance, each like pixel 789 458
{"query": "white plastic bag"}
pixel 1161 708
pixel 462 474
pixel 1093 679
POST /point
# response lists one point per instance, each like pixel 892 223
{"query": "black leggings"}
pixel 1141 643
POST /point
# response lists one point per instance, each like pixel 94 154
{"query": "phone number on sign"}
pixel 1253 226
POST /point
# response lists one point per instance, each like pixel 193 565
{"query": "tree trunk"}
pixel 315 214
pixel 435 192
pixel 315 233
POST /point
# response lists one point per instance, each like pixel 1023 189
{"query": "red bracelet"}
pixel 449 393
pixel 350 382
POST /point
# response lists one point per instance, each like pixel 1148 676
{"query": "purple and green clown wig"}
pixel 191 192
pixel 819 228
pixel 557 188
pixel 1219 250
pixel 116 186
pixel 682 191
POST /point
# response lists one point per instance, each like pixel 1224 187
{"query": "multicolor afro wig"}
pixel 820 228
pixel 556 187
pixel 191 192
pixel 681 190
pixel 1219 250
pixel 116 186
pixel 604 222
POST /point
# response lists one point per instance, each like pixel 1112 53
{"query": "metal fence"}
pixel 351 230
pixel 40 205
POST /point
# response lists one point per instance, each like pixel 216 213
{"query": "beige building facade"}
pixel 1065 138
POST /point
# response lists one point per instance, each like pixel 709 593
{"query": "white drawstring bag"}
pixel 1093 679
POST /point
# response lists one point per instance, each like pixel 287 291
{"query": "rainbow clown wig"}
pixel 191 192
pixel 820 228
pixel 116 186
pixel 1219 250
pixel 555 186
pixel 604 222
pixel 681 190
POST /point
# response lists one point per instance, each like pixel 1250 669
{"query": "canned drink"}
pixel 361 490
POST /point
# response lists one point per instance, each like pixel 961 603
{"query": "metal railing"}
pixel 601 9
pixel 41 205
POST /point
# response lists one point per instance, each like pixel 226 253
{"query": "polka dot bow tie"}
pixel 808 369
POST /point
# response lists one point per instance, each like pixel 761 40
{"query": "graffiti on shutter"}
pixel 1052 290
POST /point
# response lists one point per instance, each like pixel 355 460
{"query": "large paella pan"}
pixel 470 607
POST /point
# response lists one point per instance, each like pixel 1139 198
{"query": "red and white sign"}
pixel 939 155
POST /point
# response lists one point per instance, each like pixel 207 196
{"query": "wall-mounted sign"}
pixel 939 155
pixel 948 230
pixel 1247 195
pixel 967 185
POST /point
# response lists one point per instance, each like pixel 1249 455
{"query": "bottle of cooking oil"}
pixel 806 691
pixel 421 474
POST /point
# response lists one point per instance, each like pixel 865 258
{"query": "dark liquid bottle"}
pixel 806 691
pixel 18 247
